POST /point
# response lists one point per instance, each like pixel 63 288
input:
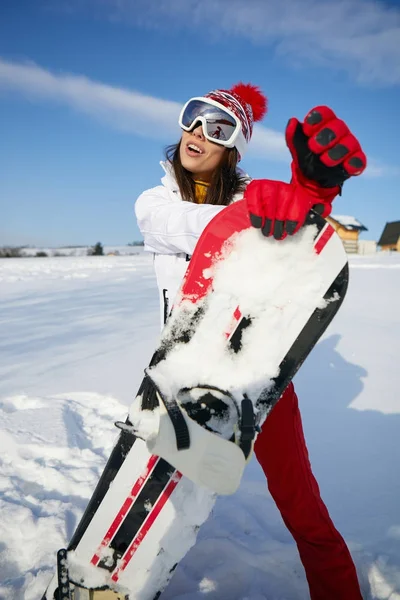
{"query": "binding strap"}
pixel 247 426
pixel 177 419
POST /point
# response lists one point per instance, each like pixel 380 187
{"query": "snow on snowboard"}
pixel 249 311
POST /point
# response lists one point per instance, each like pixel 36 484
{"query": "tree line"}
pixel 20 251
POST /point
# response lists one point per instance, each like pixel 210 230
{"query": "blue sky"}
pixel 90 91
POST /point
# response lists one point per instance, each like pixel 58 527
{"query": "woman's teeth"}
pixel 195 148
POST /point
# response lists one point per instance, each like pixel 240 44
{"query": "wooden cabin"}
pixel 348 228
pixel 390 238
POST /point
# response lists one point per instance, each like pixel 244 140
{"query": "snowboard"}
pixel 249 311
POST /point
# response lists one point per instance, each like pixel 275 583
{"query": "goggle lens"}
pixel 220 125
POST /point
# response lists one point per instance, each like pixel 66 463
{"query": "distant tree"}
pixel 141 243
pixel 41 254
pixel 11 252
pixel 96 250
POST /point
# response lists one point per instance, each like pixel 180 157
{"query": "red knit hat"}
pixel 248 103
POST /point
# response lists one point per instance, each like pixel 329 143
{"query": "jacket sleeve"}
pixel 171 227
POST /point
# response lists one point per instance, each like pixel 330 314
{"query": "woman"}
pixel 201 178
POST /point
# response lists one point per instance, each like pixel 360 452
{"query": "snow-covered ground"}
pixel 75 336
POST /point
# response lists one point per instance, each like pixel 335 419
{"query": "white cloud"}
pixel 133 112
pixel 269 143
pixel 358 36
pixel 123 109
pixel 376 168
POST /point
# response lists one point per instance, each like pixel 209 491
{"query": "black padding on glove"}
pixel 311 165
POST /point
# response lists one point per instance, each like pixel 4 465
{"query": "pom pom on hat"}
pixel 251 94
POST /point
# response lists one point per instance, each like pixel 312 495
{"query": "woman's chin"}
pixel 191 164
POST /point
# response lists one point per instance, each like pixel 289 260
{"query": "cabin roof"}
pixel 348 222
pixel 390 234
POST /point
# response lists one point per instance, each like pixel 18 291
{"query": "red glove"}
pixel 277 208
pixel 325 153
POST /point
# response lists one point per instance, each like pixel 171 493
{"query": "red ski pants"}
pixel 282 453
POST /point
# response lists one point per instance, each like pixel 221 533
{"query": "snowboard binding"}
pixel 67 590
pixel 205 433
pixel 218 412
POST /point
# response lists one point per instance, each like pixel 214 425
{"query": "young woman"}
pixel 201 178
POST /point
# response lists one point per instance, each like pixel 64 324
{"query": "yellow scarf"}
pixel 200 191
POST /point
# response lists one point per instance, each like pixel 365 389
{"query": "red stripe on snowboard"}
pixel 324 238
pixel 237 315
pixel 143 531
pixel 125 508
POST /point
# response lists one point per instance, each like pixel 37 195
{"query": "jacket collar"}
pixel 169 180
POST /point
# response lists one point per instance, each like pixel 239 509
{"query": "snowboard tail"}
pixel 144 514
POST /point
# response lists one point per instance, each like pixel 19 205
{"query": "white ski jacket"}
pixel 171 227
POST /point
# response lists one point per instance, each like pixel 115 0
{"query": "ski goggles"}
pixel 220 125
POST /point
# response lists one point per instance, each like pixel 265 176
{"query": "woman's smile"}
pixel 194 150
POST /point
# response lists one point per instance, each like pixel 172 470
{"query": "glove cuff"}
pixel 319 195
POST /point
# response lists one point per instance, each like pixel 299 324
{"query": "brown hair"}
pixel 225 182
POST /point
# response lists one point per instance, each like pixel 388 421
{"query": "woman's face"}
pixel 198 155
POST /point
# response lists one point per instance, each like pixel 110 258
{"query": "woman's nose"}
pixel 198 131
